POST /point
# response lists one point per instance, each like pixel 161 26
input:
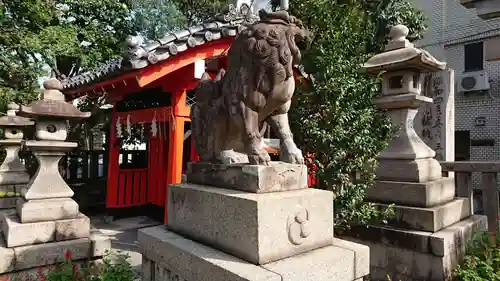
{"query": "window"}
pixel 462 145
pixel 474 57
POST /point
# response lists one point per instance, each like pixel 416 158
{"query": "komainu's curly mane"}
pixel 270 45
pixel 231 110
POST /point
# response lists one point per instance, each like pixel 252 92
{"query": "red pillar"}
pixel 113 169
pixel 176 143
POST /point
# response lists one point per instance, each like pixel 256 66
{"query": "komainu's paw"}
pixel 289 153
pixel 262 158
pixel 292 157
pixel 232 157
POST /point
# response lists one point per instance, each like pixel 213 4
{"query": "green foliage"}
pixel 389 12
pixel 156 18
pixel 195 12
pixel 115 267
pixel 59 36
pixel 482 260
pixel 334 116
pixel 64 37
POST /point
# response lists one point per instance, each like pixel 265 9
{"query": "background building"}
pixel 466 34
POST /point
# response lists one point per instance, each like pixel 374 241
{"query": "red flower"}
pixel 67 255
pixel 41 276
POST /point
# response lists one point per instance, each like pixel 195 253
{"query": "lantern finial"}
pixel 398 39
pixel 12 108
pixel 52 84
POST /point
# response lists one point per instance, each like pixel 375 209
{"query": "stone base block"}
pixel 50 253
pixel 14 178
pixel 100 244
pixel 279 176
pixel 258 228
pixel 12 190
pixel 392 263
pixel 419 170
pixel 430 219
pixel 168 256
pixel 438 243
pixel 426 194
pixel 47 209
pixel 33 273
pixel 7 257
pixel 20 234
pixel 5 212
pixel 78 227
pixel 32 256
pixel 416 255
pixel 8 202
pixel 25 257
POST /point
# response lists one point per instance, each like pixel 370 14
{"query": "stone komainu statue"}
pixel 233 110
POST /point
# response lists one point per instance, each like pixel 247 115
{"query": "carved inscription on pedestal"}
pixel 163 274
pixel 298 225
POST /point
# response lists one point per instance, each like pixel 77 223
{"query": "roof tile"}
pixel 140 56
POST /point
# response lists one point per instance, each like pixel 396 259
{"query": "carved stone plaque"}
pixel 435 122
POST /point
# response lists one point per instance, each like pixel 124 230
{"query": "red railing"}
pixel 132 187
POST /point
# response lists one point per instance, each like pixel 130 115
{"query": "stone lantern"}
pixel 401 66
pixel 48 191
pixel 47 222
pixel 428 218
pixel 13 176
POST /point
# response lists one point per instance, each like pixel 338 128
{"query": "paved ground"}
pixel 123 235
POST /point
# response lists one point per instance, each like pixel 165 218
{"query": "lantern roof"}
pixel 53 104
pixel 11 120
pixel 400 54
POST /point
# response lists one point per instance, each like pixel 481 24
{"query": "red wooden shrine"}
pixel 136 186
pixel 167 151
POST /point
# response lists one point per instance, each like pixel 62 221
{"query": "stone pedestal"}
pixel 225 234
pixel 12 171
pixel 13 176
pixel 278 176
pixel 47 223
pixel 426 238
pixel 48 197
pixel 414 255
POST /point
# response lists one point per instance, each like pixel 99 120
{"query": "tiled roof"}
pixel 138 55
